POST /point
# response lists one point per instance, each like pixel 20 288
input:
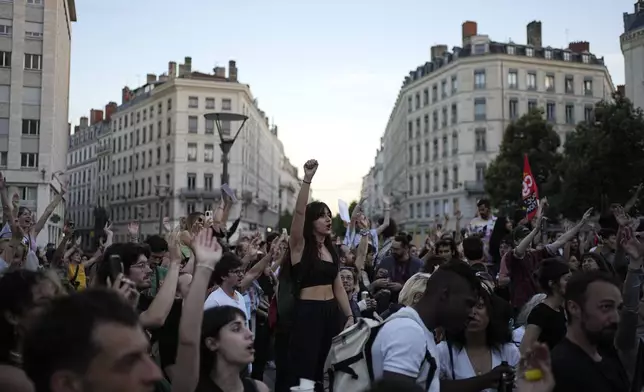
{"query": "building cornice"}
pixel 71 5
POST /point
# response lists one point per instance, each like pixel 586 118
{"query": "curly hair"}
pixel 498 331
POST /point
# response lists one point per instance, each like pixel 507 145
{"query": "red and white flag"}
pixel 529 192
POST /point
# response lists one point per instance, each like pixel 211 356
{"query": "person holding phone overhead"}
pixel 318 289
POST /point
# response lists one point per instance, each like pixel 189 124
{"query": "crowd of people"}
pixel 502 304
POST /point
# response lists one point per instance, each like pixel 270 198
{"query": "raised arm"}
pixel 570 234
pixel 296 240
pixel 525 243
pixel 207 252
pixel 7 208
pixel 42 221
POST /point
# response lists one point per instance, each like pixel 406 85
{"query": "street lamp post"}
pixel 162 193
pixel 226 136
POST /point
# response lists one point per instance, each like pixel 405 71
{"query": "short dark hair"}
pixel 62 337
pixel 447 242
pixel 271 237
pixel 157 244
pixel 229 261
pixel 473 248
pixel 129 253
pixel 577 286
pixel 391 230
pixel 404 239
pixel 483 202
pixel 551 269
pixel 456 267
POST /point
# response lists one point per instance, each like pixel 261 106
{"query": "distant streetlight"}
pixel 162 193
pixel 226 136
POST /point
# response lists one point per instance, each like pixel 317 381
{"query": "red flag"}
pixel 529 192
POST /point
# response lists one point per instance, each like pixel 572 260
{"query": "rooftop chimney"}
pixel 188 64
pixel 110 109
pixel 621 90
pixel 579 46
pixel 220 72
pixel 83 122
pixel 126 94
pixel 438 51
pixel 533 30
pixel 172 69
pixel 470 29
pixel 232 71
pixel 150 78
pixel 95 116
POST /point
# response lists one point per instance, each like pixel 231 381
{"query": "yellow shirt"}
pixel 81 279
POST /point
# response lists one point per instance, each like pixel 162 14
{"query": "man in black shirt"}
pixel 587 360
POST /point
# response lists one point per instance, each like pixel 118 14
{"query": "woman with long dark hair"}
pixel 318 288
pixel 482 355
pixel 22 295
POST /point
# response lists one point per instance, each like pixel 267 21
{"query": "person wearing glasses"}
pixel 228 275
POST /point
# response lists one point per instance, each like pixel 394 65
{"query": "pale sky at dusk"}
pixel 327 72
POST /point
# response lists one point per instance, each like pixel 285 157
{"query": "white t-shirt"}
pixel 220 298
pixel 517 335
pixel 463 367
pixel 398 349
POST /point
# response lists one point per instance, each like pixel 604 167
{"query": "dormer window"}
pixel 511 50
pixel 479 49
pixel 566 56
pixel 548 54
pixel 529 52
pixel 585 58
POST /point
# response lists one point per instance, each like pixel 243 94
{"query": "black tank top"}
pixel 207 385
pixel 317 273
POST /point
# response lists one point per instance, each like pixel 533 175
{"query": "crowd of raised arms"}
pixel 499 304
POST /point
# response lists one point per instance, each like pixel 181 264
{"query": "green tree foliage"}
pixel 285 220
pixel 604 159
pixel 531 135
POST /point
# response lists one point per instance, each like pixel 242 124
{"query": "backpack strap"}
pixel 432 369
pixel 73 281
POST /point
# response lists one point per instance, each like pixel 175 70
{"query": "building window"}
pixel 589 114
pixel 588 87
pixel 445 179
pixel 210 127
pixel 418 184
pixel 168 151
pixel 417 101
pixel 425 97
pixel 33 34
pixel 35 2
pixel 511 49
pixel 444 122
pixel 480 109
pixel 454 143
pixel 551 112
pixel 426 150
pixel 225 128
pixel 426 124
pixel 532 104
pixel 444 88
pixel 210 103
pixel 455 177
pixel 5 59
pixel 550 82
pixel 169 104
pixel 411 155
pixel 435 187
pixel 480 171
pixel 426 183
pixel 454 84
pixel 410 106
pixel 207 181
pixel 479 79
pixel 445 146
pixel 513 108
pixel 29 160
pixel 479 48
pixel 513 79
pixel 209 153
pixel 418 126
pixel 411 185
pixel 226 104
pixel 434 93
pixel 570 85
pixel 419 211
pixel 411 211
pixel 454 113
pixel 169 126
pixel 193 124
pixel 3 158
pixel 5 29
pixel 160 108
pixel 531 81
pixel 31 127
pixel 193 102
pixel 33 61
pixel 529 52
pixel 435 119
pixel 410 130
pixel 435 148
pixel 480 140
pixel 567 56
pixel 548 54
pixel 585 58
pixel 570 114
pixel 192 152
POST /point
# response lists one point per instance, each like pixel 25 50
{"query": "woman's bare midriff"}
pixel 317 293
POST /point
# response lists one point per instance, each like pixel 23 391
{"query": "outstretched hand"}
pixel 206 249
